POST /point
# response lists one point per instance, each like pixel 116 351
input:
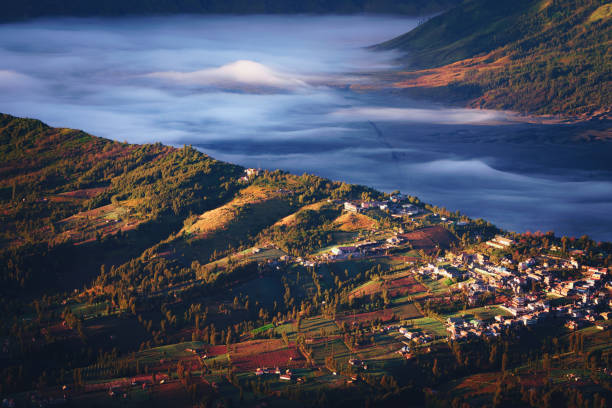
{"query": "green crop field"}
pixel 430 325
pixel 407 310
pixel 482 313
pixel 335 347
pixel 437 286
pixel 317 326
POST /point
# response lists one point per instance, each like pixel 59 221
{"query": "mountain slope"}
pixel 37 8
pixel 294 281
pixel 545 57
pixel 70 201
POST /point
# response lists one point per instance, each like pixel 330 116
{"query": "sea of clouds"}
pixel 273 91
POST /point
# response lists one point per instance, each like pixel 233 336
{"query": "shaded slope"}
pixel 70 202
pixel 474 27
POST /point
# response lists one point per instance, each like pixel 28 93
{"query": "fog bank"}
pixel 273 91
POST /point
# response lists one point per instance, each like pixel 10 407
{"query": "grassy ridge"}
pixel 545 57
pixel 474 27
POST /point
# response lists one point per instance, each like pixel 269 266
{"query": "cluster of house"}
pixel 357 250
pixel 365 248
pixel 589 295
pixel 395 206
pixel 591 307
pixel 507 274
pixel 249 174
pixel 200 352
pixel 358 363
pixel 287 375
pixel 592 279
pixel 529 309
pixel 500 242
pixel 418 337
pixel 450 272
pixel 460 329
pixel 523 314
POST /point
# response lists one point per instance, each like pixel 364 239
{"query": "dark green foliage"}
pixel 474 27
pixel 36 8
pixel 146 288
pixel 310 231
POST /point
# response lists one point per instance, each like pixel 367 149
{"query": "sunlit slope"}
pixel 231 225
pixel 546 57
pixel 474 27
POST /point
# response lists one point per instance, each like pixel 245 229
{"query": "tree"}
pixel 230 336
pixel 435 369
pixel 504 362
pixel 385 296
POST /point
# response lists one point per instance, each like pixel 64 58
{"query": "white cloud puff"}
pixel 236 74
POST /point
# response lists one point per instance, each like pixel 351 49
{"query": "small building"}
pixel 346 250
pixel 500 242
pixel 287 376
pixel 351 207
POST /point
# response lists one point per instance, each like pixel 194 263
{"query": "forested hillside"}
pixel 38 8
pixel 547 56
pixel 71 202
pixel 146 275
pixel 65 192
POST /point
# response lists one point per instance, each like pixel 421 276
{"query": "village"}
pixel 398 283
pixel 531 289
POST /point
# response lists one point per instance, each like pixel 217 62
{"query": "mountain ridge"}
pixel 544 57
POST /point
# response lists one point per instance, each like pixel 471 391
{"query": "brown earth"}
pixel 250 355
pixel 430 238
pixel 354 222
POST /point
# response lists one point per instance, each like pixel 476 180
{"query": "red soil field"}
pixel 430 238
pixel 85 193
pixel 212 351
pixel 404 286
pixel 250 355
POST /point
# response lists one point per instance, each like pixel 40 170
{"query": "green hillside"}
pixel 531 56
pixel 472 28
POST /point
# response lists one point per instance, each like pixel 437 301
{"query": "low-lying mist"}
pixel 273 91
